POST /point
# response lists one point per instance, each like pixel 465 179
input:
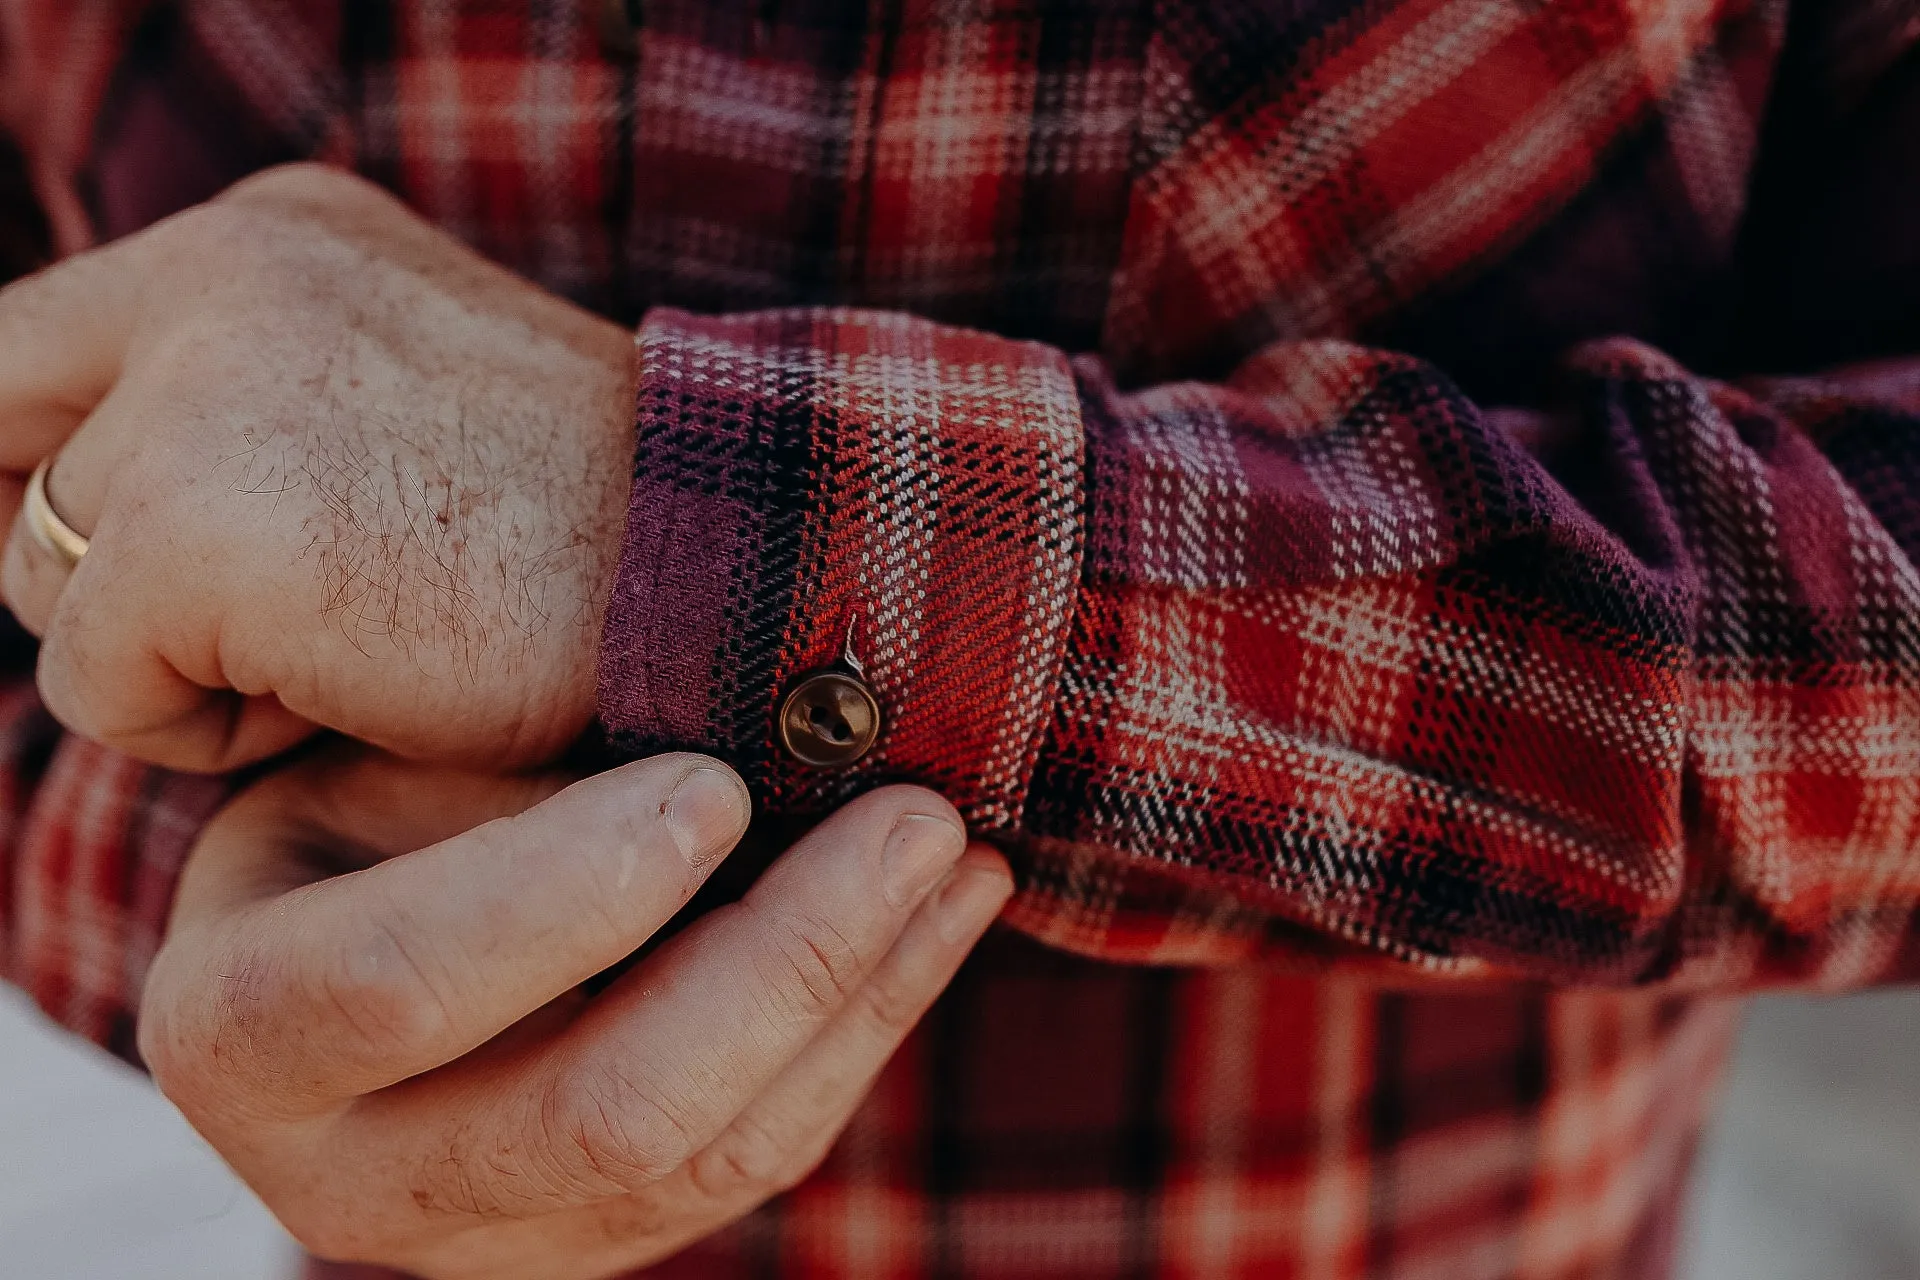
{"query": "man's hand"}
pixel 399 1059
pixel 336 468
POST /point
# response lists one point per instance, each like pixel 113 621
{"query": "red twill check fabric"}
pixel 1295 475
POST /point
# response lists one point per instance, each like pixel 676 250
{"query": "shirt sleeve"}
pixel 1323 658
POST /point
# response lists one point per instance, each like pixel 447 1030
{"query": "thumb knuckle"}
pixel 197 1033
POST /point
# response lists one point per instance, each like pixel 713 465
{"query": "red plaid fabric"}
pixel 1070 1120
pixel 1323 646
pixel 1255 447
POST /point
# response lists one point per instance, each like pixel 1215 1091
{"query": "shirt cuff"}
pixel 810 483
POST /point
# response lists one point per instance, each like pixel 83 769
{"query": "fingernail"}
pixel 919 850
pixel 705 814
pixel 968 903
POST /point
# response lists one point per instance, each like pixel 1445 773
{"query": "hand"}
pixel 399 1059
pixel 336 469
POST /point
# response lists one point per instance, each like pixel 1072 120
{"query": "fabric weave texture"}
pixel 1339 491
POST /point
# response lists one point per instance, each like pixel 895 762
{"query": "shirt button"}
pixel 829 719
pixel 620 22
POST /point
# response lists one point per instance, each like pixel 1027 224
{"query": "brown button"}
pixel 829 718
pixel 620 22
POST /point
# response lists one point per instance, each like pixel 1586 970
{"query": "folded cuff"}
pixel 808 479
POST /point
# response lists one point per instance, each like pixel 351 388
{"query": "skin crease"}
pixel 337 470
pixel 400 1061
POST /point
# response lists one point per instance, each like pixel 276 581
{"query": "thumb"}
pixel 357 981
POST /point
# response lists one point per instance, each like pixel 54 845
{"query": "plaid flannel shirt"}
pixel 1269 457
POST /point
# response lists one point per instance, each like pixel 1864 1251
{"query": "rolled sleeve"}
pixel 813 483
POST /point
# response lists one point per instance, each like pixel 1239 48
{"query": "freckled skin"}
pixel 345 468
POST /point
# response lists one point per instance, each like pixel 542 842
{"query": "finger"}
pixel 341 808
pixel 101 677
pixel 107 683
pixel 666 1058
pixel 784 1133
pixel 85 457
pixel 64 333
pixel 352 808
pixel 32 574
pixel 106 623
pixel 31 577
pixel 356 982
pixel 107 679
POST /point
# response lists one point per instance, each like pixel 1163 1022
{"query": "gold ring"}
pixel 61 540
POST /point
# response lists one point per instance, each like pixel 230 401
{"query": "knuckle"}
pixel 207 1029
pixel 228 222
pixel 891 1005
pixel 655 1215
pixel 298 181
pixel 382 991
pixel 219 230
pixel 59 677
pixel 74 679
pixel 177 1065
pixel 816 966
pixel 607 1132
pixel 747 1162
pixel 228 1043
pixel 219 378
pixel 460 1181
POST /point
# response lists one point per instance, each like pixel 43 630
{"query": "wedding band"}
pixel 59 538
